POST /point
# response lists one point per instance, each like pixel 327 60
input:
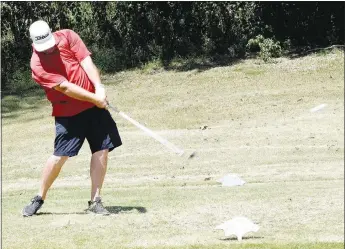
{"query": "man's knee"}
pixel 57 160
pixel 101 153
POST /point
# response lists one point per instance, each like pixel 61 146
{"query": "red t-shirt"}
pixel 50 70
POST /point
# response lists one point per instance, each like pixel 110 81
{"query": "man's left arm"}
pixel 93 74
pixel 82 54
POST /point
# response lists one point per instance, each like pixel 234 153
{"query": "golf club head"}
pixel 192 155
pixel 187 155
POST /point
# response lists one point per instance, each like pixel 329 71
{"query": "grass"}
pixel 247 118
pixel 269 246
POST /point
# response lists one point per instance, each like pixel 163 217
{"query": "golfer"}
pixel 62 66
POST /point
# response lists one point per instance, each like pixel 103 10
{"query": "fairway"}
pixel 249 118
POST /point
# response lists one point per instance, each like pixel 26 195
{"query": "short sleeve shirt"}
pixel 50 70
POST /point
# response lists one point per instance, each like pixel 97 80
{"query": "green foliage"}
pixel 270 49
pixel 267 47
pixel 108 59
pixel 24 82
pixel 306 23
pixel 129 34
pixel 253 44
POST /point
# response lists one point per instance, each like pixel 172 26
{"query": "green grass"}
pixel 258 125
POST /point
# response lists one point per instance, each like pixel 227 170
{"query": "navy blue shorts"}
pixel 94 124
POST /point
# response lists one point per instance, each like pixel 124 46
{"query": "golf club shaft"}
pixel 163 141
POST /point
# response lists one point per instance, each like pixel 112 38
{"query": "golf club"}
pixel 163 141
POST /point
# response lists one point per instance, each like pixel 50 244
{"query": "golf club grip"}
pixel 163 141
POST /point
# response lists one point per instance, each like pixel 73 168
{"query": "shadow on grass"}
pixel 244 238
pixel 305 51
pixel 118 209
pixel 200 64
pixel 50 213
pixel 111 209
pixel 205 63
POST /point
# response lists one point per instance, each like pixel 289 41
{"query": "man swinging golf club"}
pixel 62 65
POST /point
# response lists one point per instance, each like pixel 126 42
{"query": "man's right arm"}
pixel 52 81
pixel 80 93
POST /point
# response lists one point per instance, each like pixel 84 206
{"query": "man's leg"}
pixel 69 138
pixel 98 168
pixel 50 173
pixel 103 137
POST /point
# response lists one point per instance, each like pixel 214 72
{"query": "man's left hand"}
pixel 100 91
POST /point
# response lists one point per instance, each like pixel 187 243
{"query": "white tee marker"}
pixel 231 180
pixel 318 108
pixel 238 226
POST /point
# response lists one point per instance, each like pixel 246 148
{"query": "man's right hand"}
pixel 100 101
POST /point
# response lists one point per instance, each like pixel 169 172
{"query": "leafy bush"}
pixel 253 44
pixel 22 82
pixel 270 49
pixel 108 60
pixel 267 47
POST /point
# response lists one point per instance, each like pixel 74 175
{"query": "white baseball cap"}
pixel 41 36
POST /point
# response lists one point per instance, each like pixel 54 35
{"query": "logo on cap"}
pixel 41 37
